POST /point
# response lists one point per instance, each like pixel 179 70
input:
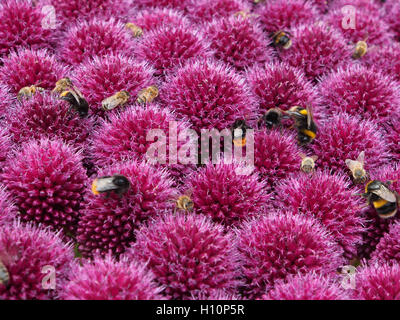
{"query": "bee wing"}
pixel 302 155
pixel 110 102
pixel 361 157
pixel 309 116
pixel 77 91
pixel 386 194
pixel 105 184
pixel 315 158
pixel 75 95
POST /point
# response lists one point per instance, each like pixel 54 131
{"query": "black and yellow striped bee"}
pixel 72 95
pixel 306 127
pixel 239 132
pixel 4 275
pixel 117 183
pixel 384 200
pixel 281 39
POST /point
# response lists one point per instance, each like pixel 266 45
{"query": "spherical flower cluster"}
pixel 276 156
pixel 188 254
pixel 388 248
pixel 28 67
pixel 102 77
pixel 46 179
pixel 108 222
pixel 316 49
pixel 378 281
pixel 67 12
pixel 278 245
pixel 360 91
pixel 108 279
pixel 21 24
pixel 330 199
pixel 168 47
pixel 153 18
pixel 209 95
pixel 279 85
pixel 286 14
pixel 239 42
pixel 368 26
pixel 94 38
pixel 30 254
pixel 344 137
pixel 206 10
pixel 222 193
pixel 307 287
pixel 8 211
pixel 45 116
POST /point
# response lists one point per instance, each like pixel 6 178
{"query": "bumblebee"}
pixel 306 127
pixel 4 275
pixel 28 92
pixel 72 95
pixel 360 50
pixel 307 163
pixel 185 203
pixel 281 39
pixel 147 95
pixel 357 168
pixel 118 99
pixel 239 132
pixel 272 118
pixel 384 200
pixel 136 30
pixel 117 183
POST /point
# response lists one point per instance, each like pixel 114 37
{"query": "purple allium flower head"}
pixel 316 49
pixel 344 137
pixel 6 100
pixel 125 135
pixel 278 245
pixel 209 95
pixel 368 26
pixel 386 59
pixel 7 209
pixel 29 253
pixel 276 156
pixel 102 77
pixel 107 224
pixel 45 116
pixel 279 85
pixel 46 180
pixel 108 279
pixel 359 91
pixel 224 195
pixel 68 12
pixel 330 199
pixel 21 26
pixel 149 19
pixel 378 281
pixel 388 248
pixel 92 38
pixel 188 255
pixel 310 286
pixel 206 10
pixel 286 14
pixel 239 41
pixel 391 15
pixel 5 145
pixel 31 67
pixel 168 46
pixel 376 227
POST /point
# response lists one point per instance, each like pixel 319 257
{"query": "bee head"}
pixel 121 181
